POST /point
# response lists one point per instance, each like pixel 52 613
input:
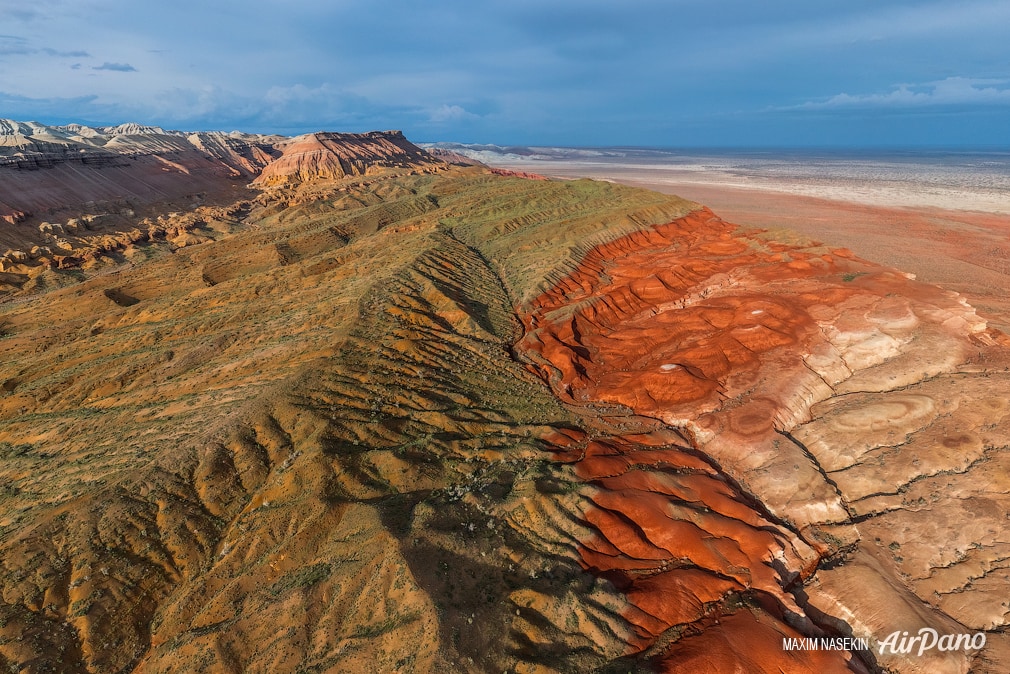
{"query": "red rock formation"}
pixel 46 169
pixel 517 174
pixel 693 554
pixel 732 339
pixel 11 215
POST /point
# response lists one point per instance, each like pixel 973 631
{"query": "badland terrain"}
pixel 335 403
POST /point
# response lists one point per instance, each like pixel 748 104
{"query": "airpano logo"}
pixel 897 642
pixel 928 639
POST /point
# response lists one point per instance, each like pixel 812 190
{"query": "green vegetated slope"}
pixel 305 446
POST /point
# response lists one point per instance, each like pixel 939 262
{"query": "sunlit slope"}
pixel 305 444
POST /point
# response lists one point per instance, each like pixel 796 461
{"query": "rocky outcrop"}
pixel 29 145
pixel 329 156
pixel 11 215
pixel 517 174
pixel 246 155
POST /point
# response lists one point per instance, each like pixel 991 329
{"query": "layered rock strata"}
pixel 148 164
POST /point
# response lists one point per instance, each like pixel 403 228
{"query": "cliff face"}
pixel 30 145
pixel 64 171
pixel 135 172
pixel 145 164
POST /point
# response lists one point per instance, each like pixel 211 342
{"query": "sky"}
pixel 666 73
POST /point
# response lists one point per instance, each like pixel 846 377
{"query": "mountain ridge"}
pixel 23 140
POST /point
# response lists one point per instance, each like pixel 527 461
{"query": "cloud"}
pixel 281 109
pixel 15 44
pixel 946 92
pixel 299 103
pixel 587 72
pixel 65 54
pixel 291 110
pixel 451 113
pixel 117 67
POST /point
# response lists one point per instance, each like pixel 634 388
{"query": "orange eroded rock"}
pixel 733 339
pixel 678 539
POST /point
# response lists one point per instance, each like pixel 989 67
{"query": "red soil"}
pixel 645 341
